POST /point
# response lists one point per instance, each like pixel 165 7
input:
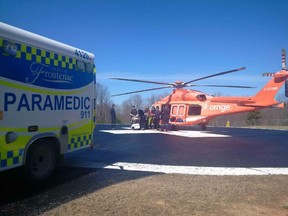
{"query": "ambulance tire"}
pixel 40 161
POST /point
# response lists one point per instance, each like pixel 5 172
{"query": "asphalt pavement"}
pixel 122 154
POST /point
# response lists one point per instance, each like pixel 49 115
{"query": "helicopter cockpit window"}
pixel 194 109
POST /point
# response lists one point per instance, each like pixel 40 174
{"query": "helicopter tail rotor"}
pixel 283 68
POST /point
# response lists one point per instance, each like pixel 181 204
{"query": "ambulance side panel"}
pixel 47 92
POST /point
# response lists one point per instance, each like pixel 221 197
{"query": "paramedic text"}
pixel 38 102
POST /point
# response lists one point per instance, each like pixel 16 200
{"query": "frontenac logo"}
pixel 48 73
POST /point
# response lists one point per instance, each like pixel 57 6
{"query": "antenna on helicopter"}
pixel 283 59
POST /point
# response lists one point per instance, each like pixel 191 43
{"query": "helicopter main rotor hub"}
pixel 179 84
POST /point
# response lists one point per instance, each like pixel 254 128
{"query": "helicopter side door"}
pixel 178 112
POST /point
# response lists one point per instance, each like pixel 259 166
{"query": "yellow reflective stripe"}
pixel 33 51
pixel 28 56
pixel 23 48
pixel 14 129
pixel 38 59
pixel 80 124
pixel 42 91
pixel 11 155
pixel 80 140
pixel 44 56
pixel 43 53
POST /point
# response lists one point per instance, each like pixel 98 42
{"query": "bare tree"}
pixel 151 100
pixel 138 102
pixel 126 106
pixel 103 104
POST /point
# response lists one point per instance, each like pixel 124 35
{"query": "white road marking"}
pixel 183 133
pixel 186 170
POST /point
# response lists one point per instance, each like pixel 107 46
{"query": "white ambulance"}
pixel 47 101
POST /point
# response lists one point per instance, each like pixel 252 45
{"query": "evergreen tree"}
pixel 253 117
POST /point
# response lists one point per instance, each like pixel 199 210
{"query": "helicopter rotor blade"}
pixel 132 92
pixel 225 86
pixel 217 74
pixel 143 81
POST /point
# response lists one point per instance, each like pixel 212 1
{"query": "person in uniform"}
pixel 113 116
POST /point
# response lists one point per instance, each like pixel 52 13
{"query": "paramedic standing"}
pixel 113 116
pixel 165 118
pixel 157 116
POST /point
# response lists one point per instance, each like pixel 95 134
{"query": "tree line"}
pixel 104 103
pixel 268 116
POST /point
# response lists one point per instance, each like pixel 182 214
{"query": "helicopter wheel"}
pixel 174 127
pixel 203 127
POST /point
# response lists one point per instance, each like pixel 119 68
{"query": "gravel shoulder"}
pixel 183 195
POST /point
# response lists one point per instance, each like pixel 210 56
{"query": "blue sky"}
pixel 164 40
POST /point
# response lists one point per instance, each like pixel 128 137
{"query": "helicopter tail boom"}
pixel 266 95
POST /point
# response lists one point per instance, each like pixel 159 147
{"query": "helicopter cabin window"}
pixel 194 109
pixel 178 110
pixel 174 110
pixel 181 110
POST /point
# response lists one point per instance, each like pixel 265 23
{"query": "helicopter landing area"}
pixel 181 133
pixel 219 151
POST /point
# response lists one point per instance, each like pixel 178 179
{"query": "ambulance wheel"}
pixel 40 161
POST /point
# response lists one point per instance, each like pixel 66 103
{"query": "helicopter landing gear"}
pixel 203 127
pixel 173 127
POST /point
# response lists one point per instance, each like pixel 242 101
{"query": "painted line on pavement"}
pixel 186 170
pixel 182 133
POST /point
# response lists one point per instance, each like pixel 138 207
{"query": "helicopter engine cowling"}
pixel 201 97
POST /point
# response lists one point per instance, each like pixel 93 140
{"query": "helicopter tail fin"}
pixel 267 93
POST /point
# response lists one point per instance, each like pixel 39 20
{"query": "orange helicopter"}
pixel 191 107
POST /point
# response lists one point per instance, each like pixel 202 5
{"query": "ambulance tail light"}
pixel 10 137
